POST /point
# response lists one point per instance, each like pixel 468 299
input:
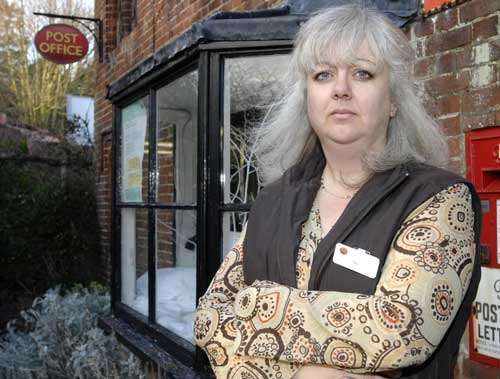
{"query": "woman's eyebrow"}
pixel 327 65
pixel 365 60
pixel 324 63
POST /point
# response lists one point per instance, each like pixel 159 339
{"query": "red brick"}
pixel 474 121
pixel 464 58
pixel 227 7
pixel 450 126
pixel 484 29
pixel 448 40
pixel 213 5
pixel 430 106
pixel 423 67
pixel 423 28
pixel 447 84
pixel 447 19
pixel 454 146
pixel 477 8
pixel 448 104
pixel 446 63
pixel 482 99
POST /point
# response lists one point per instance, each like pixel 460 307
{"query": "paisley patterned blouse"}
pixel 268 330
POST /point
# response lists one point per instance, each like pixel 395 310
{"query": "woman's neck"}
pixel 347 176
pixel 345 168
pixel 345 165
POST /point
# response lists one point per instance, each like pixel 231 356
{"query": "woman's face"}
pixel 350 104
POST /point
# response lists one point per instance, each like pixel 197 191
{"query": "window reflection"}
pixel 234 222
pixel 176 248
pixel 176 244
pixel 134 258
pixel 177 112
pixel 251 84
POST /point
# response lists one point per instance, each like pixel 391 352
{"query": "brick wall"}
pixel 458 53
pixel 128 41
pixel 104 204
pixel 126 17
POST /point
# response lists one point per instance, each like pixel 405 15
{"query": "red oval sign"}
pixel 61 43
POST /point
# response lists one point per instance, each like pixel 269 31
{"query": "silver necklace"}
pixel 344 197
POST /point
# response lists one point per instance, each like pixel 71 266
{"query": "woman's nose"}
pixel 341 88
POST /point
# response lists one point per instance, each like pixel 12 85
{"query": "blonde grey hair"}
pixel 285 136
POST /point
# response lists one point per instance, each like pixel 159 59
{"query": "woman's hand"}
pixel 322 372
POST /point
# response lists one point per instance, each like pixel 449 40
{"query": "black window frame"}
pixel 208 59
pixel 219 56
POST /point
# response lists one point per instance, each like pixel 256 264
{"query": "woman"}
pixel 359 257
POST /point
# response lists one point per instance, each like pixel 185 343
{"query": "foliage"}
pixel 77 132
pixel 33 89
pixel 83 81
pixel 49 232
pixel 62 340
pixel 10 14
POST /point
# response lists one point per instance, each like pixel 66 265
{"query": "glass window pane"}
pixel 177 151
pixel 134 258
pixel 251 84
pixel 133 177
pixel 232 226
pixel 176 270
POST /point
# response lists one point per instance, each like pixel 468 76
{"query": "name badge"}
pixel 355 259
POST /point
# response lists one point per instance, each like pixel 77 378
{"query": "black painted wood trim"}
pixel 148 350
pixel 152 185
pixel 115 225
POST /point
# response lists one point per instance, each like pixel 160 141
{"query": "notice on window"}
pixel 487 316
pixel 134 123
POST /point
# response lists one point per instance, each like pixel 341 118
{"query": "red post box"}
pixel 483 169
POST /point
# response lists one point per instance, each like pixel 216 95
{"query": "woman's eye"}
pixel 323 75
pixel 362 75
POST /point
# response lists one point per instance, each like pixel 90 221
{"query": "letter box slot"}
pixel 491 180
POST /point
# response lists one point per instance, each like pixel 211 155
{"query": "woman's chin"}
pixel 341 138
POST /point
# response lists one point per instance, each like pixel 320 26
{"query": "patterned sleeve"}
pixel 213 325
pixel 425 276
pixel 214 329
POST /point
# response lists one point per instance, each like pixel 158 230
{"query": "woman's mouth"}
pixel 342 114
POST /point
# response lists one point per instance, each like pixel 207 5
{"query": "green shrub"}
pixel 48 226
pixel 61 340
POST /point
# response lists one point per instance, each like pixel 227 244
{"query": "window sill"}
pixel 147 350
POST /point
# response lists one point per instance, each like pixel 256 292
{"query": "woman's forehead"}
pixel 333 57
pixel 361 55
